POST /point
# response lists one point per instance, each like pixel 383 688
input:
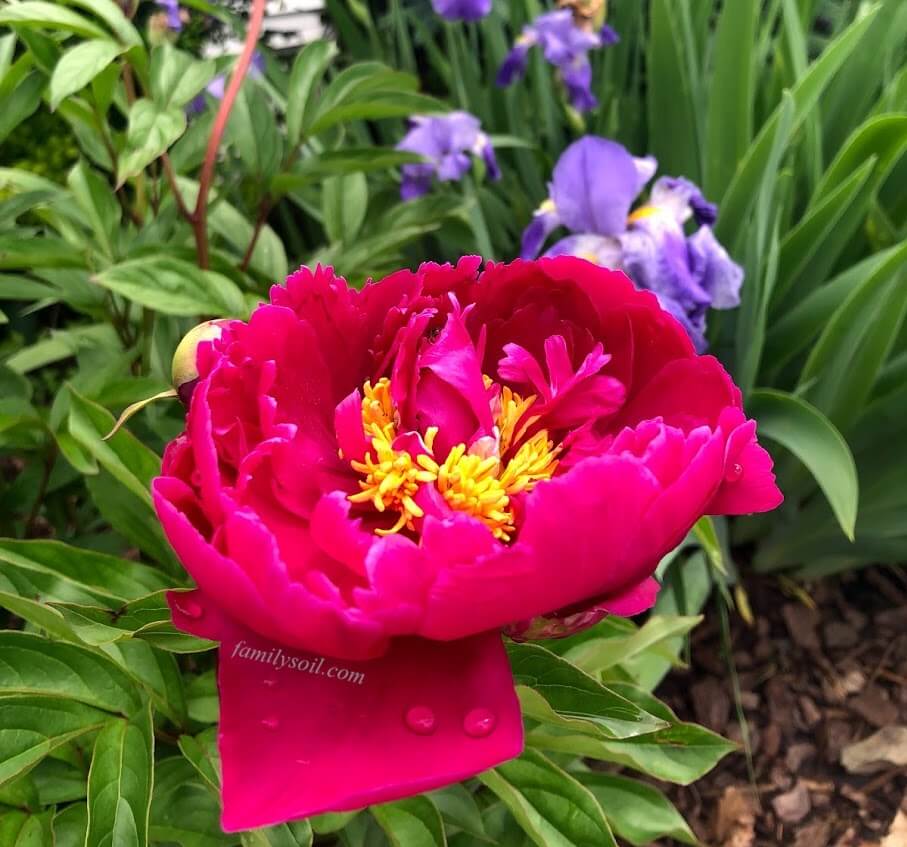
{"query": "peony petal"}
pixel 424 716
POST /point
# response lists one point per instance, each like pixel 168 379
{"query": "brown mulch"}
pixel 814 682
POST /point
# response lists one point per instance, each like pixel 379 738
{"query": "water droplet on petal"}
pixel 479 722
pixel 734 472
pixel 270 723
pixel 190 607
pixel 421 720
pixel 270 683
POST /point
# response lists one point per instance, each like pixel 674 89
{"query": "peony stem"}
pixel 200 216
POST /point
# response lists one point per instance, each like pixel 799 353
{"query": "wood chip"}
pixel 735 818
pixel 801 624
pixel 814 835
pixel 876 753
pixel 874 706
pixel 794 805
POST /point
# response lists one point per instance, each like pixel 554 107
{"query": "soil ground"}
pixel 817 673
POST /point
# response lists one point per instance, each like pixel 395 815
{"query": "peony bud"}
pixel 184 371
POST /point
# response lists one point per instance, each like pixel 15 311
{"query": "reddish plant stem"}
pixel 263 211
pixel 200 216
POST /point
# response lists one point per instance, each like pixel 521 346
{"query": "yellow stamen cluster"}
pixel 478 484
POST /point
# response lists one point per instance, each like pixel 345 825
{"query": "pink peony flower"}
pixel 443 454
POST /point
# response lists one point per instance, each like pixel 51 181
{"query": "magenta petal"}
pixel 301 735
pixel 348 423
pixel 634 600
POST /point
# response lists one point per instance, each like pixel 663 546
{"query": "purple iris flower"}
pixel 593 188
pixel 564 45
pixel 462 10
pixel 174 20
pixel 447 142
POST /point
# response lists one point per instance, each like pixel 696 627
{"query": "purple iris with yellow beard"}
pixel 593 188
pixel 566 45
pixel 447 143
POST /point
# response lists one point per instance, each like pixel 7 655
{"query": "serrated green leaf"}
pixel 79 66
pixel 120 781
pixel 549 804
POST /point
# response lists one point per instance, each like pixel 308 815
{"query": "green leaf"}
pixel 112 15
pixel 308 70
pixel 797 327
pixel 549 804
pixel 123 455
pixel 818 227
pixel 202 698
pixel 672 99
pixel 252 130
pixel 72 574
pixel 53 16
pixel 31 665
pixel 600 654
pixel 813 439
pixel 33 727
pixel 553 690
pixel 183 809
pixel 349 160
pixel 636 811
pixel 19 105
pixel 119 783
pixel 177 77
pixel 729 121
pixel 344 202
pixel 367 91
pixel 202 752
pixel 296 834
pixel 173 287
pixel 681 753
pixel 97 201
pixel 743 190
pixel 147 618
pixel 459 808
pixel 70 826
pixel 413 822
pixel 156 672
pixel 152 129
pixel 79 66
pixel 20 829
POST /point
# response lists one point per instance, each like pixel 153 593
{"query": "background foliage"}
pixel 791 113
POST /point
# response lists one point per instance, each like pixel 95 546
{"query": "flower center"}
pixel 477 480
